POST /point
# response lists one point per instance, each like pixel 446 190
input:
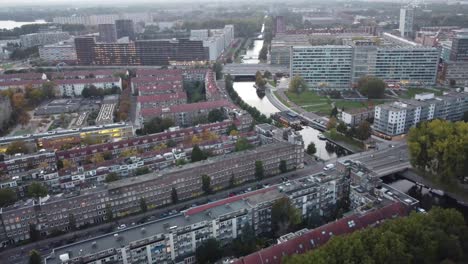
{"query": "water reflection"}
pixel 251 55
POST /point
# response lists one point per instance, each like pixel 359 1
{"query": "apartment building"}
pixel 323 66
pixel 58 53
pixel 152 85
pixel 166 52
pixel 39 39
pixel 406 21
pixel 74 87
pixel 175 239
pixel 98 74
pixel 107 33
pixel 390 58
pixel 394 119
pixel 22 164
pixel 455 70
pixel 161 100
pixel 185 114
pixel 353 117
pixel 122 197
pixel 216 40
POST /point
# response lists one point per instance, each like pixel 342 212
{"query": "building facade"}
pixel 125 28
pixel 406 21
pixel 394 119
pixel 122 197
pixel 39 39
pixel 323 66
pixel 58 53
pixel 107 33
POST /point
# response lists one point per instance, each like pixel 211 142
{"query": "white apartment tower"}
pixel 406 21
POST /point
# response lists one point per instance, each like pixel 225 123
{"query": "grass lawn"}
pixel 312 102
pixel 411 92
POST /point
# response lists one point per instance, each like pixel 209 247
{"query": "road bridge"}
pixel 249 70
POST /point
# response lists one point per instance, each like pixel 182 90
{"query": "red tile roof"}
pixel 161 87
pixel 21 83
pixel 319 236
pixel 86 73
pixel 157 72
pixel 160 79
pixel 87 81
pixel 21 76
pixel 161 97
pixel 186 107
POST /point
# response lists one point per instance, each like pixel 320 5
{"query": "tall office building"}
pixel 406 21
pixel 125 28
pixel 323 66
pixel 107 33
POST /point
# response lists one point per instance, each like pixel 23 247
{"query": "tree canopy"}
pixel 311 149
pixel 297 84
pixel 209 251
pixel 206 184
pixel 197 154
pixel 37 190
pixel 371 87
pixel 7 197
pixel 436 237
pixel 157 125
pixel 440 148
pixel 259 171
pixel 242 144
pixel 363 131
pixel 34 257
pixel 17 147
pixel 284 216
pixel 215 115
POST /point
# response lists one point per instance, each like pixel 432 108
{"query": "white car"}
pixel 329 167
pixel 122 226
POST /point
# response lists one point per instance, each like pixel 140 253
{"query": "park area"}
pixel 313 102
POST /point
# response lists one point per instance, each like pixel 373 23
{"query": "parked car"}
pixel 122 226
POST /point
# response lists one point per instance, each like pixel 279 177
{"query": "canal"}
pixel 248 93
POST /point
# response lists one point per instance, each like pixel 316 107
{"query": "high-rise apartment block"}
pixel 391 58
pixel 125 28
pixel 216 40
pixel 107 33
pixel 406 21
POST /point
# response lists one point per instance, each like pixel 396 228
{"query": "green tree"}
pixel 206 184
pixel 109 213
pixel 7 197
pixel 209 251
pixel 263 55
pixel 363 131
pixel 197 154
pixel 342 128
pixel 297 84
pixel 284 216
pixel 334 112
pixel 218 69
pixel 242 144
pixel 17 147
pixel 331 123
pixel 157 125
pixel 59 164
pixel 465 116
pixel 436 237
pixel 230 128
pixel 259 172
pixel 36 190
pixel 259 81
pixel 34 234
pixel 112 177
pixel 267 75
pixel 174 196
pixel 71 221
pixel 141 171
pixel 311 150
pixel 34 257
pixel 232 181
pixel 143 205
pixel 245 243
pixel 371 87
pixel 283 166
pixel 171 143
pixel 215 115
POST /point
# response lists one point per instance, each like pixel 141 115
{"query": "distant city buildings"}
pixel 125 28
pixel 406 21
pixel 395 119
pixel 38 39
pixel 280 25
pixel 94 20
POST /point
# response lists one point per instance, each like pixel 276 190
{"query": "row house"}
pixel 74 87
pixel 96 74
pixel 123 196
pixel 175 81
pixel 19 163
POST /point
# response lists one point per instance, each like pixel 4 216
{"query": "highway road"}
pixel 19 254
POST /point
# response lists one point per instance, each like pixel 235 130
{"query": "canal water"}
pixel 248 93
